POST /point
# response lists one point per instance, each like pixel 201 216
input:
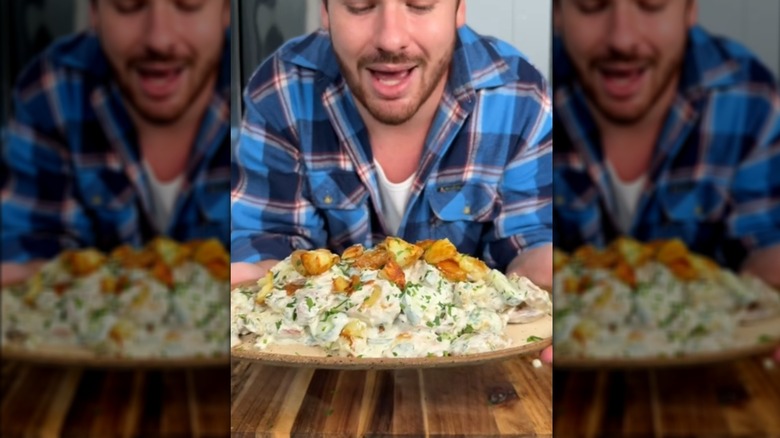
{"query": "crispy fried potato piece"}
pixel 83 262
pixel 625 273
pixel 451 270
pixel 352 253
pixel 393 273
pixel 213 256
pixel 631 251
pixel 671 251
pixel 683 270
pixel 560 259
pixel 372 299
pixel 169 251
pixel 162 272
pixel 266 286
pixel 439 251
pixel 404 253
pixel 475 268
pixel 353 329
pixel 592 257
pixel 372 259
pixel 340 285
pixel 318 261
pixel 424 244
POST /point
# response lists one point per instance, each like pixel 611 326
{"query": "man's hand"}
pixel 241 272
pixel 11 273
pixel 536 264
pixel 547 355
pixel 763 264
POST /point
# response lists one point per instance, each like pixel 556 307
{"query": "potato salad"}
pixel 395 300
pixel 165 300
pixel 651 300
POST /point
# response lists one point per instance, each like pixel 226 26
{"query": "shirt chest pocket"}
pixel 109 201
pixel 460 213
pixel 337 190
pixel 693 202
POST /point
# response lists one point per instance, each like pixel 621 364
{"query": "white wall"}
pixel 754 23
pixel 526 24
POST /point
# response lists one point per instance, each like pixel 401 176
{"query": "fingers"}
pixel 547 355
pixel 11 273
pixel 241 272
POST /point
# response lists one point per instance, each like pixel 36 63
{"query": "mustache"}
pixel 389 58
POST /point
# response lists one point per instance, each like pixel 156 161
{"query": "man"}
pixel 120 134
pixel 662 130
pixel 397 119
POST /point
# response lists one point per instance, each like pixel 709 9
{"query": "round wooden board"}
pixel 82 357
pixel 315 357
pixel 757 338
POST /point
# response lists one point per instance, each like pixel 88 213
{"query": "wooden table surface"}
pixel 733 399
pixel 49 401
pixel 504 398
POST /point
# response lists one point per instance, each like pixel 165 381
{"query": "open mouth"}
pixel 622 82
pixel 391 82
pixel 159 82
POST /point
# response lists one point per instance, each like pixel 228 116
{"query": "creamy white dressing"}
pixel 429 316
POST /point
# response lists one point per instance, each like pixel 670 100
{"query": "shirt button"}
pixel 560 200
pixel 328 199
pixel 97 200
pixel 467 210
pixel 697 210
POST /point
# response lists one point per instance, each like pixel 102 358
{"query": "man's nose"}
pixel 160 27
pixel 392 33
pixel 623 28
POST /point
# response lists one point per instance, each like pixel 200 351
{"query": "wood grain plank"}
pixel 209 400
pixel 531 413
pixel 320 403
pixel 456 402
pixel 61 401
pixel 26 406
pixel 758 413
pixel 573 401
pixel 408 418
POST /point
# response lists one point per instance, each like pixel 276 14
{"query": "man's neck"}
pixel 398 148
pixel 629 147
pixel 167 148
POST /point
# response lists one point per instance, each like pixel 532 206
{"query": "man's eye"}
pixel 420 8
pixel 190 6
pixel 358 10
pixel 128 7
pixel 653 6
pixel 591 7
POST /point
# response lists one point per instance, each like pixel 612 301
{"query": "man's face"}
pixel 627 53
pixel 164 53
pixel 393 54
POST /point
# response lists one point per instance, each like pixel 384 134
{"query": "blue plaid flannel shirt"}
pixel 714 180
pixel 305 178
pixel 72 174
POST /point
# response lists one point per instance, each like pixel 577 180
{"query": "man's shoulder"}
pixel 303 56
pixel 493 62
pixel 69 59
pixel 717 62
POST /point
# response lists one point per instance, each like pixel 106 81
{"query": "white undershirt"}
pixel 627 194
pixel 164 196
pixel 394 197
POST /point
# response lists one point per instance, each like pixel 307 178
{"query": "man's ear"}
pixel 460 14
pixel 324 19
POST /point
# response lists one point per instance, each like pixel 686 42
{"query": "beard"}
pixel 378 110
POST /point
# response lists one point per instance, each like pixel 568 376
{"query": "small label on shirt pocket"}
pixel 464 202
pixel 336 190
pixel 693 201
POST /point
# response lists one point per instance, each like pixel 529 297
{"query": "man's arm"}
pixel 41 215
pixel 270 213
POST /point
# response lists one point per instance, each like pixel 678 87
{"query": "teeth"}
pixel 390 82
